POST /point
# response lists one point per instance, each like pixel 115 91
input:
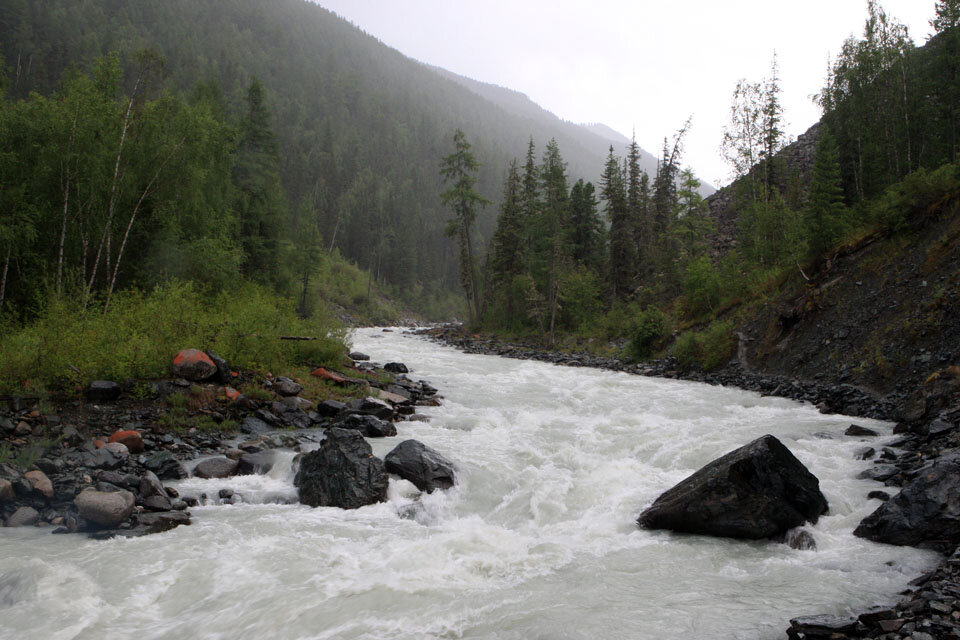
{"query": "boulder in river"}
pixel 166 466
pixel 927 509
pixel 215 468
pixel 23 517
pixel 757 491
pixel 259 462
pixel 396 367
pixel 414 461
pixel 103 508
pixel 343 473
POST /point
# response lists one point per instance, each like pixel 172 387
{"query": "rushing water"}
pixel 537 541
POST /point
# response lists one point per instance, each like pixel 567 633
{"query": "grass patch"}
pixel 138 336
pixel 707 349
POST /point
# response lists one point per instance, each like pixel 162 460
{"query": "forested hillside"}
pixel 359 127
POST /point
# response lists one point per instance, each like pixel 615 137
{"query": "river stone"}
pixel 801 540
pixel 330 408
pixel 157 503
pixel 23 517
pixel 215 468
pixel 369 426
pixel 857 430
pixel 757 491
pixel 879 472
pixel 396 367
pixel 223 369
pixel 129 438
pixel 356 355
pixel 7 494
pixel 149 485
pixel 254 426
pixel 102 391
pixel 287 387
pixel 104 509
pixel 40 482
pixel 927 509
pixel 414 461
pixel 166 466
pixel 823 626
pixel 255 463
pixel 343 473
pixel 373 407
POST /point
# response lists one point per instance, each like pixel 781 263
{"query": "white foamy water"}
pixel 538 540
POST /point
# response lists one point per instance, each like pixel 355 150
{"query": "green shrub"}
pixel 648 330
pixel 701 286
pixel 67 346
pixel 708 349
pixel 916 196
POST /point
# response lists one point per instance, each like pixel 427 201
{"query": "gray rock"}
pixel 864 453
pixel 369 426
pixel 104 509
pixel 857 430
pixel 149 485
pixel 287 387
pixel 166 466
pixel 330 408
pixel 927 509
pixel 41 483
pixel 343 473
pixel 223 375
pixel 255 463
pixel 216 468
pixel 7 494
pixel 757 491
pixel 356 355
pixel 879 472
pixel 801 540
pixel 396 367
pixel 414 461
pixel 254 426
pixel 820 626
pixel 157 503
pixel 102 391
pixel 23 517
pixel 373 407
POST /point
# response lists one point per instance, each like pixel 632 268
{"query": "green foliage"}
pixel 649 329
pixel 770 232
pixel 707 349
pixel 702 287
pixel 827 215
pixel 141 332
pixel 580 298
pixel 916 196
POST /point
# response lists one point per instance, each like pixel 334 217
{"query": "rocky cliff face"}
pixel 795 160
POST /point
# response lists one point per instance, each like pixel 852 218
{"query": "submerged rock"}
pixel 414 461
pixel 757 491
pixel 259 462
pixel 343 473
pixel 927 509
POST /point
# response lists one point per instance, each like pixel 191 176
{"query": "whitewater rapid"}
pixel 537 541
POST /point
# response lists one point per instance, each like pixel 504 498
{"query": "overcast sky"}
pixel 634 64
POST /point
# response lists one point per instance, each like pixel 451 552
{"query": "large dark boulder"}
pixel 102 391
pixel 343 473
pixel 927 509
pixel 414 461
pixel 166 466
pixel 757 491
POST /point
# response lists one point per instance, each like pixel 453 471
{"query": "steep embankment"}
pixel 881 313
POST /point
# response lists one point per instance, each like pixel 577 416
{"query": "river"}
pixel 537 542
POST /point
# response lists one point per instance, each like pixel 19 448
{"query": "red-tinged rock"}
pixel 324 374
pixel 231 393
pixel 132 439
pixel 98 443
pixel 194 365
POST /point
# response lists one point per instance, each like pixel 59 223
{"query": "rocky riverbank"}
pixel 98 464
pixel 920 471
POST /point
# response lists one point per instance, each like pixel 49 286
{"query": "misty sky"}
pixel 634 63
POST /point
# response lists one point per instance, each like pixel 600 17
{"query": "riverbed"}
pixel 537 541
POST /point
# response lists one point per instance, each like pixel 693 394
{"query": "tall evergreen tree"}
pixel 256 174
pixel 553 177
pixel 459 171
pixel 825 210
pixel 586 228
pixel 638 205
pixel 622 247
pixel 508 239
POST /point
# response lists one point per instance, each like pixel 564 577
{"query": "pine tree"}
pixel 256 174
pixel 458 169
pixel 947 15
pixel 825 210
pixel 772 135
pixel 508 239
pixel 622 247
pixel 638 205
pixel 553 176
pixel 586 229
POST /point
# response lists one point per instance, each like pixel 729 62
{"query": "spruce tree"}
pixel 622 247
pixel 825 210
pixel 458 170
pixel 586 229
